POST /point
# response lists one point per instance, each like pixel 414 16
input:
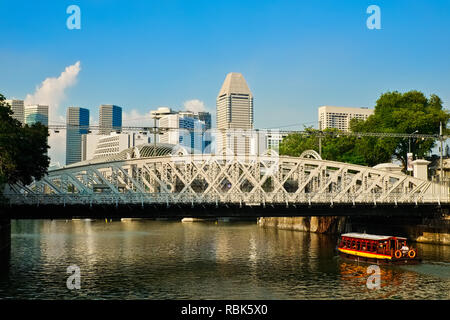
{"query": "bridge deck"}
pixel 221 210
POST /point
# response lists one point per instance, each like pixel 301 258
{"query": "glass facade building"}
pixel 36 113
pixel 77 125
pixel 110 118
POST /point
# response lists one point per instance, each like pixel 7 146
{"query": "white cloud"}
pixel 194 105
pixel 135 118
pixel 57 143
pixel 51 92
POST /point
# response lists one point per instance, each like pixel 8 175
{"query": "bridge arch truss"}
pixel 247 180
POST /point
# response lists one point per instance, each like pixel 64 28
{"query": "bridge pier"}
pixel 5 239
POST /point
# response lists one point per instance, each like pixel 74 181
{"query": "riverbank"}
pixel 422 230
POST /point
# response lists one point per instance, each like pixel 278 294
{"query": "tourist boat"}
pixel 376 249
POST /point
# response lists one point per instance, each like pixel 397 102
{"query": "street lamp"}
pixel 409 149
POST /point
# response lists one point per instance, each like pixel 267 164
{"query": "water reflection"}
pixel 172 260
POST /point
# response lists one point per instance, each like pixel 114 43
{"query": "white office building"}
pixel 36 113
pixel 234 115
pixel 185 130
pixel 17 108
pixel 96 146
pixel 273 140
pixel 339 117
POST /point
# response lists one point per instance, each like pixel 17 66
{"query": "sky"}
pixel 295 55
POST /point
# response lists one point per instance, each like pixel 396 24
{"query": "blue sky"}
pixel 295 55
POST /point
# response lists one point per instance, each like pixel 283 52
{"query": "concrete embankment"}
pixel 424 230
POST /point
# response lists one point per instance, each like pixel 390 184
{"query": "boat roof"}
pixel 369 236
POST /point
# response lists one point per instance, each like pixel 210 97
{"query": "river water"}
pixel 148 259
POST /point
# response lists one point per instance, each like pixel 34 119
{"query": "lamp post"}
pixel 409 149
pixel 409 152
pixel 441 178
pixel 320 143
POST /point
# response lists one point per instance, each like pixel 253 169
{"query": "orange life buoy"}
pixel 411 254
pixel 398 254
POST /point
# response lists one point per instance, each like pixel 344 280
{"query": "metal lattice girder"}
pixel 228 179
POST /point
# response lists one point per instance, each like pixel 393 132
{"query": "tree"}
pixel 23 149
pixel 394 113
pixel 334 147
pixel 402 113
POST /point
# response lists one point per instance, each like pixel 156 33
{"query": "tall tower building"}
pixel 206 118
pixel 76 117
pixel 17 108
pixel 110 118
pixel 234 111
pixel 36 113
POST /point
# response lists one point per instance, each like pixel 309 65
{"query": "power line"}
pixel 253 131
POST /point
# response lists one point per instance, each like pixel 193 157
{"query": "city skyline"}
pixel 285 65
pixel 224 154
pixel 295 57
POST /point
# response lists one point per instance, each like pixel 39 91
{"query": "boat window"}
pixel 392 245
pixel 364 248
pixel 374 247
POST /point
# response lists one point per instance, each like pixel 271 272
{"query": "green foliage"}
pixel 335 147
pixel 403 113
pixel 22 149
pixel 394 113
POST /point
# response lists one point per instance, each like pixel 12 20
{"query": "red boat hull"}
pixel 401 261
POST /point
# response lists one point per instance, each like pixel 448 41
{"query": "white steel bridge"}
pixel 168 175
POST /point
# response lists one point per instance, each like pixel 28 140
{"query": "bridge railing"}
pixel 225 198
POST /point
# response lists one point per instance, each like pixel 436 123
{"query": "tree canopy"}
pixel 23 149
pixel 394 112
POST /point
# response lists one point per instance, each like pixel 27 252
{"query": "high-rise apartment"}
pixel 36 113
pixel 77 125
pixel 194 122
pixel 186 130
pixel 17 108
pixel 110 118
pixel 339 117
pixel 234 111
pixel 206 118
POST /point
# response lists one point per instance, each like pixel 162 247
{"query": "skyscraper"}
pixel 36 113
pixel 206 118
pixel 17 108
pixel 234 111
pixel 110 118
pixel 76 117
pixel 187 130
